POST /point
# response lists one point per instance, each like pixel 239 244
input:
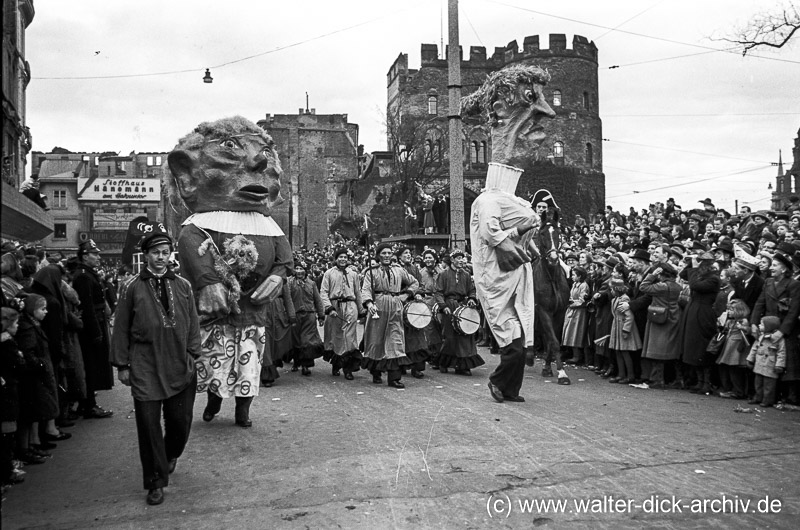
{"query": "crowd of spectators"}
pixel 667 297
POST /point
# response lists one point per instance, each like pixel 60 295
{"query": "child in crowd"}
pixel 624 337
pixel 732 362
pixel 11 363
pixel 37 389
pixel 768 360
pixel 575 320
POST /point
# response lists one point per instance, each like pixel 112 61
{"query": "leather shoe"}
pixel 45 446
pixel 376 379
pixel 495 392
pixel 515 399
pixel 57 437
pixel 463 372
pixel 396 384
pixel 305 371
pixel 416 374
pixel 173 463
pixel 31 458
pixel 64 423
pixel 155 496
pixel 334 371
pixel 244 423
pixel 348 376
pixel 208 415
pixel 97 412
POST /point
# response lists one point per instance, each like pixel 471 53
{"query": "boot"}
pixel 243 411
pixel 212 407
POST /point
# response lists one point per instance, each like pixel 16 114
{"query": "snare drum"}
pixel 466 320
pixel 417 314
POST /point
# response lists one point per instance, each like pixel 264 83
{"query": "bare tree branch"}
pixel 772 29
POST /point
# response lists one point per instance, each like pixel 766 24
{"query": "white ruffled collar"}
pixel 245 223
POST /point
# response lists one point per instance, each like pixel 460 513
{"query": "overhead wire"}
pixel 228 63
pixel 628 20
pixel 684 151
pixel 638 192
pixel 644 35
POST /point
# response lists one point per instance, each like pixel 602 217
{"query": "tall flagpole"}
pixel 457 229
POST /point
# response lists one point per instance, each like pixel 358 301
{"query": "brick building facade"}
pixel 319 154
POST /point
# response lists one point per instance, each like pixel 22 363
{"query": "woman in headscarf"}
pixel 47 283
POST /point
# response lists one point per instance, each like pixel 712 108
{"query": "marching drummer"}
pixel 416 343
pixel 427 291
pixel 385 288
pixel 455 288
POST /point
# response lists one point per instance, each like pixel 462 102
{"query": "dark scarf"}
pixel 160 284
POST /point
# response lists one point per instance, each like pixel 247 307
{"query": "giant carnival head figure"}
pixel 515 106
pixel 227 165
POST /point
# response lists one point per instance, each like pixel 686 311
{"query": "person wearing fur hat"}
pixel 454 288
pixel 781 298
pixel 385 288
pixel 155 343
pixel 94 337
pixel 767 359
pixel 341 302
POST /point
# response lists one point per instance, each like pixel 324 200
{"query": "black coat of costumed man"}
pixel 501 223
pixel 155 342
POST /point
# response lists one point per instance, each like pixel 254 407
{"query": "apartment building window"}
pixel 556 98
pixel 60 231
pixel 59 199
pixel 153 161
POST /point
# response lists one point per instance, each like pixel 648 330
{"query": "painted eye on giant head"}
pixel 530 96
pixel 229 143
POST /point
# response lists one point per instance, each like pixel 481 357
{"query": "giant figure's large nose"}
pixel 257 162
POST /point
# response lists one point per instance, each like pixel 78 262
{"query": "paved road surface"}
pixel 330 453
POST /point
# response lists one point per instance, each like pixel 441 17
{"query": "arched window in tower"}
pixel 558 149
pixel 556 98
pixel 482 153
pixel 428 150
pixel 473 152
pixel 586 100
pixel 588 155
pixel 433 107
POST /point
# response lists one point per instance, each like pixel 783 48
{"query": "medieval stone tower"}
pixel 570 161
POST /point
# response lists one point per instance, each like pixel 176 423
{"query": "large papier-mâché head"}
pixel 230 164
pixel 512 101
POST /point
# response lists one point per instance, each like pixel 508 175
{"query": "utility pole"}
pixel 457 235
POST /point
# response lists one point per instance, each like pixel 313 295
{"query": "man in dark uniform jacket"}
pixel 93 337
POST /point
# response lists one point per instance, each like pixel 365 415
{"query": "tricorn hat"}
pixel 544 196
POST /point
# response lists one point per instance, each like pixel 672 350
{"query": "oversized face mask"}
pixel 519 130
pixel 230 172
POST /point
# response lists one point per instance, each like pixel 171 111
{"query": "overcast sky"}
pixel 681 120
